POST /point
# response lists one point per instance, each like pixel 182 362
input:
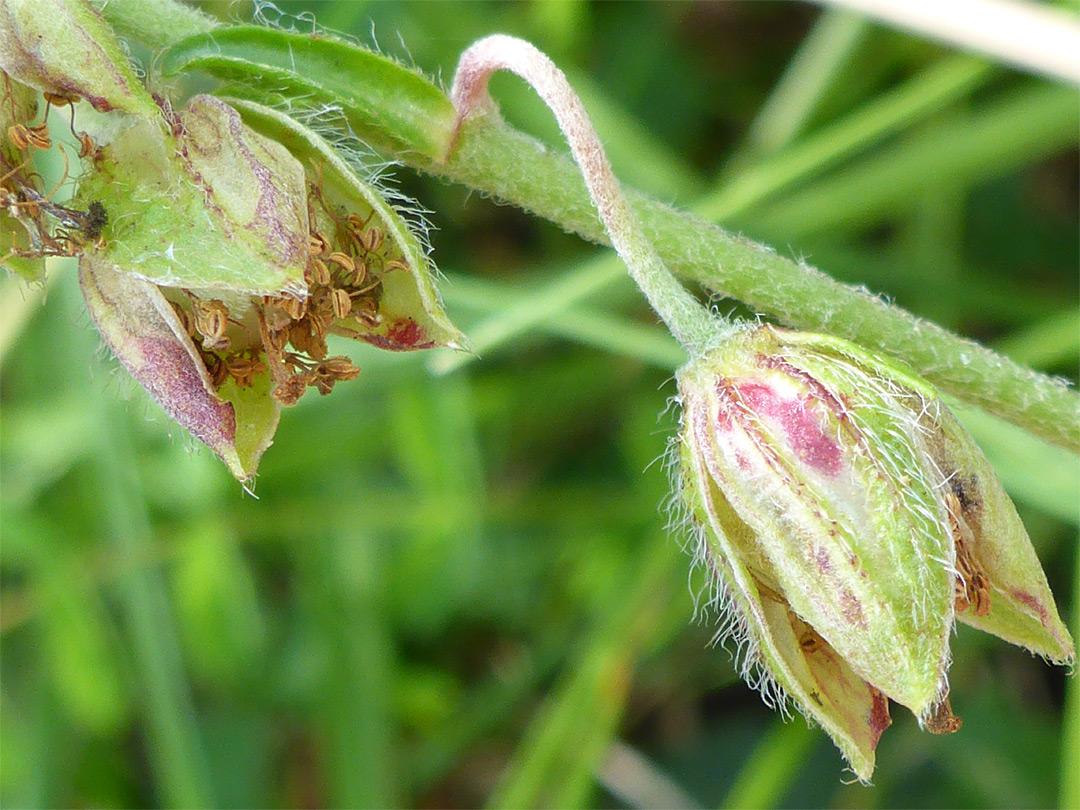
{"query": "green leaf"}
pixel 65 47
pixel 387 105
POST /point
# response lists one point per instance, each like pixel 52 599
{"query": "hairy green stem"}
pixel 690 323
pixel 507 164
pixel 154 23
pixel 497 160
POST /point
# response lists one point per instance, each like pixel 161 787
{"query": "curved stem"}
pixel 691 323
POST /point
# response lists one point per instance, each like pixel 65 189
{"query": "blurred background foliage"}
pixel 457 590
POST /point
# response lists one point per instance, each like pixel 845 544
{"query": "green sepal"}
pixel 257 415
pixel 1022 610
pixel 218 208
pixel 143 331
pixel 411 313
pixel 65 47
pixel 816 679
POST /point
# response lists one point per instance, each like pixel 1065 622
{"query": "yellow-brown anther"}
pixel 359 273
pixel 342 303
pixel 296 307
pixel 372 239
pixel 58 99
pixel 24 137
pixel 395 264
pixel 86 145
pixel 339 367
pixel 367 316
pixel 212 321
pixel 39 136
pixel 317 272
pixel 332 370
pixel 318 244
pixel 19 135
pixel 244 370
pixel 342 260
pixel 356 223
pixel 321 314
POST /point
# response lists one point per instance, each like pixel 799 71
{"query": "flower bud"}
pixel 823 482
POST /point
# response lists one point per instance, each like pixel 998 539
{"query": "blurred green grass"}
pixel 457 590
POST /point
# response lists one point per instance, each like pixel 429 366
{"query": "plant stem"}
pixel 494 159
pixel 691 324
pixel 500 161
pixel 155 23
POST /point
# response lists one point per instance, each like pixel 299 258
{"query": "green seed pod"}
pixel 64 47
pixel 822 482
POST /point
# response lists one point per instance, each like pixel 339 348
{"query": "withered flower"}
pixel 215 259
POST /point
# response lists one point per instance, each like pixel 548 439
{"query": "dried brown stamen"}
pixel 317 272
pixel 318 244
pixel 342 260
pixel 244 369
pixel 212 322
pixel 972 588
pixel 342 303
pixel 941 720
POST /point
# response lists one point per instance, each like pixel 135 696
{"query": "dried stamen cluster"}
pixel 971 588
pixel 51 229
pixel 343 275
pixel 207 324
